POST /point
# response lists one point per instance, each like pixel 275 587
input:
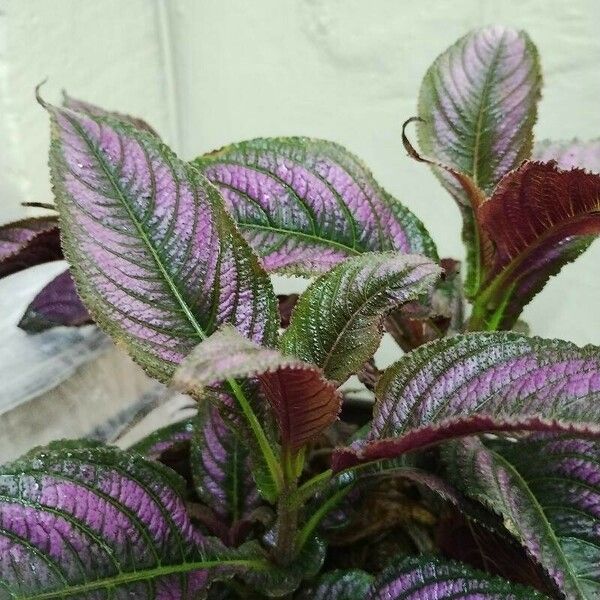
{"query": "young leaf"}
pixel 78 519
pixel 220 467
pixel 56 304
pixel 430 578
pixel 340 585
pixel 96 111
pixel 27 243
pixel 538 219
pixel 569 154
pixel 156 258
pixel 478 102
pixel 480 382
pixel 548 493
pixel 303 401
pixel 337 323
pixel 304 204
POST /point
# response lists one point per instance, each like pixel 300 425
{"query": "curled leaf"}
pixel 548 493
pixel 305 204
pixel 156 258
pixel 56 304
pixel 337 323
pixel 303 401
pixel 27 243
pixel 480 382
pixel 538 219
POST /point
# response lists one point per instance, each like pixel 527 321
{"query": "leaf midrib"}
pixel 123 579
pixel 547 526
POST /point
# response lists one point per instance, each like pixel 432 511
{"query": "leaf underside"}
pixel 547 490
pixel 157 260
pixel 480 382
pixel 27 243
pixel 306 204
pixel 56 304
pixel 538 219
pixel 303 401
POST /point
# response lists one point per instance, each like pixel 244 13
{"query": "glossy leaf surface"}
pixel 56 304
pixel 547 491
pixel 305 204
pixel 82 520
pixel 538 219
pixel 478 105
pixel 425 578
pixel 27 243
pixel 156 258
pixel 337 323
pixel 481 382
pixel 303 401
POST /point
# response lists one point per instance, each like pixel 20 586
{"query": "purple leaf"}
pixel 221 468
pixel 480 382
pixel 340 585
pixel 346 306
pixel 27 243
pixel 155 256
pixel 432 578
pixel 57 304
pixel 78 519
pixel 547 490
pixel 538 219
pixel 478 102
pixel 305 204
pixel 303 401
pixel 96 111
pixel 570 154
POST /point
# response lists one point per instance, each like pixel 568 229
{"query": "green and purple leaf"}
pixel 305 204
pixel 538 219
pixel 82 520
pixel 303 401
pixel 340 585
pixel 56 304
pixel 27 243
pixel 430 578
pixel 156 258
pixel 95 111
pixel 337 323
pixel 478 102
pixel 569 154
pixel 547 490
pixel 165 439
pixel 477 108
pixel 480 382
pixel 221 468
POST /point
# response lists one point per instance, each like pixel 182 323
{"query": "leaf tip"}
pixel 38 96
pixel 410 149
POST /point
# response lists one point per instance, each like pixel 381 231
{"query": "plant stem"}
pixel 287 511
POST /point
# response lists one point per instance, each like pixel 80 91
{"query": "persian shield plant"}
pixel 477 474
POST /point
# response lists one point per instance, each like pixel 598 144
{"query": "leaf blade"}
pixel 481 382
pixel 546 490
pixel 157 260
pixel 347 305
pixel 305 204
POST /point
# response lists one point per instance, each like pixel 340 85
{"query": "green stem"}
pixel 312 523
pixel 287 512
pixel 261 438
pixel 308 488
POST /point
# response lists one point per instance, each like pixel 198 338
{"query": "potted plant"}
pixel 478 474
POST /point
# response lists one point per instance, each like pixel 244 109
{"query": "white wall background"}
pixel 209 72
